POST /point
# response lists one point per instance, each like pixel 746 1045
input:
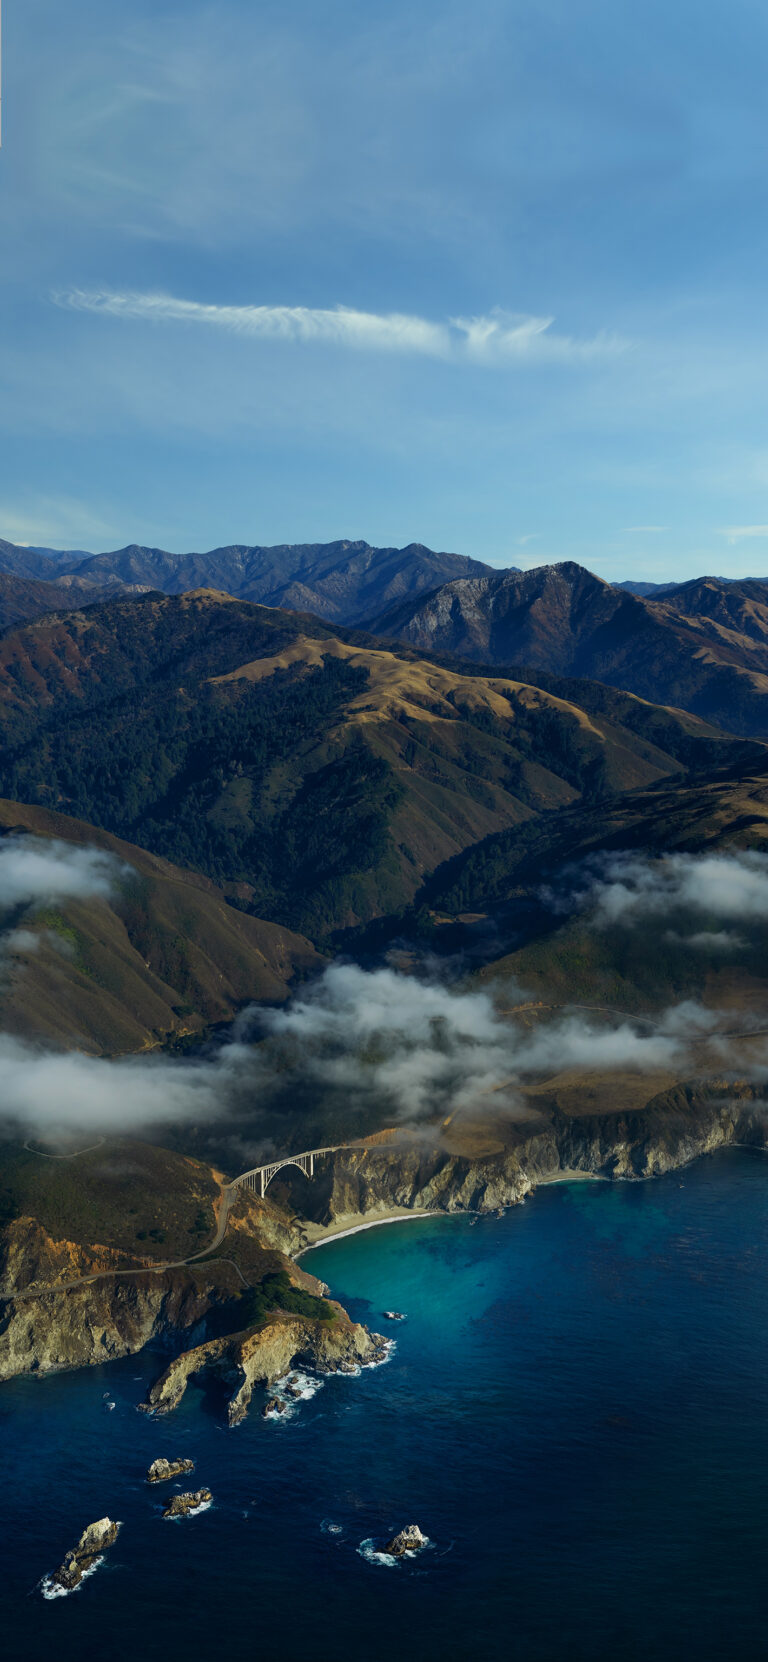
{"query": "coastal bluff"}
pixel 260 1356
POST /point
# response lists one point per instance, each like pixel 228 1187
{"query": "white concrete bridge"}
pixel 260 1177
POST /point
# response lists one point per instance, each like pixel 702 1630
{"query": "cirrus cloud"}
pixel 499 339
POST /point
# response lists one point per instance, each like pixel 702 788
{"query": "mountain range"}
pixel 317 774
pixel 700 645
pixel 345 582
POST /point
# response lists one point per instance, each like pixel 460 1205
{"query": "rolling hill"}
pixel 165 956
pixel 702 646
pixel 317 776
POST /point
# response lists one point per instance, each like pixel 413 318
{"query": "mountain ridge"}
pixel 701 647
pixel 343 581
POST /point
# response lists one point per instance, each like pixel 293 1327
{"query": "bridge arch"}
pixel 259 1179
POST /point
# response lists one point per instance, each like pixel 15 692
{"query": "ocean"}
pixel 575 1413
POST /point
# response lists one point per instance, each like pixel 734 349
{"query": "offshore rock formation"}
pixel 93 1542
pixel 182 1506
pixel 408 1540
pixel 161 1470
pixel 261 1355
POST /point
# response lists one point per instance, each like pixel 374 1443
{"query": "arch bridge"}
pixel 260 1177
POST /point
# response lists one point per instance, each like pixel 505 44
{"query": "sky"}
pixel 487 277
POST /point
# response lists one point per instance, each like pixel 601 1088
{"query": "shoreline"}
pixel 334 1234
pixel 403 1214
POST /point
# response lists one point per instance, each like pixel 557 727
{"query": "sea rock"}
pixel 275 1405
pixel 161 1470
pixel 93 1542
pixel 182 1506
pixel 409 1539
pixel 394 1316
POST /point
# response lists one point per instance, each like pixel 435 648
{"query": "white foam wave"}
pixel 370 1552
pixel 205 1506
pixel 381 1361
pixel 374 1555
pixel 292 1389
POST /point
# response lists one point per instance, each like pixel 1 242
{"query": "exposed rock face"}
pixel 182 1506
pixel 673 1130
pixel 30 1255
pixel 409 1539
pixel 161 1470
pixel 93 1542
pixel 259 1356
pixel 112 1317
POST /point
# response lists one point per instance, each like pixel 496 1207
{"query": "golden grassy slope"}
pixel 463 781
pixel 167 955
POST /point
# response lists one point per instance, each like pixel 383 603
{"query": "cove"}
pixel 576 1414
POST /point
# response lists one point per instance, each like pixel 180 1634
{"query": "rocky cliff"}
pixel 419 1174
pixel 261 1355
pixel 105 1319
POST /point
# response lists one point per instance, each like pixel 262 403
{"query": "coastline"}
pixel 337 1232
pixel 401 1214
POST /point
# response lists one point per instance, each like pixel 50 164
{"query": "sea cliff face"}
pixel 419 1175
pixel 100 1321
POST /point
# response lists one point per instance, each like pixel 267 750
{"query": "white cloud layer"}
pixel 425 1050
pixel 42 870
pixel 629 889
pixel 416 1050
pixel 501 339
pixel 54 1093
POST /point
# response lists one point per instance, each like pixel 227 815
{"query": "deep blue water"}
pixel 576 1414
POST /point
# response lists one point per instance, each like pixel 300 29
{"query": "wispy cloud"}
pixel 499 339
pixel 55 522
pixel 735 533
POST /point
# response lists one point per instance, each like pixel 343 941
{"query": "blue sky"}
pixel 490 276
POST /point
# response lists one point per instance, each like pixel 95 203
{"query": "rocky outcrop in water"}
pixel 183 1506
pixel 93 1542
pixel 409 1539
pixel 259 1356
pixel 161 1470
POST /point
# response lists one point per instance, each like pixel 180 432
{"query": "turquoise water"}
pixel 576 1414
